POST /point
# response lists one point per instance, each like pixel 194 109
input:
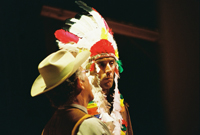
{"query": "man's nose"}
pixel 108 69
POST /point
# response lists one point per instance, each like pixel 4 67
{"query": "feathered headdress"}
pixel 91 32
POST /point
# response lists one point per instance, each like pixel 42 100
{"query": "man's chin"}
pixel 106 85
pixel 106 89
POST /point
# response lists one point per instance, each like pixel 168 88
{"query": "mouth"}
pixel 108 79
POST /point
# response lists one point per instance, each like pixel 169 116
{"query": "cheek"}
pixel 113 69
pixel 101 74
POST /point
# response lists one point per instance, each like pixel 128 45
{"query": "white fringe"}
pixel 114 120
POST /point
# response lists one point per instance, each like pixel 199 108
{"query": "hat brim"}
pixel 39 86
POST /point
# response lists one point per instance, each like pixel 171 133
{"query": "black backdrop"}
pixel 24 38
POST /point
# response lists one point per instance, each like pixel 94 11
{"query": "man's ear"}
pixel 80 85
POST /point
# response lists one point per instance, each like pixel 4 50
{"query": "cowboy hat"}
pixel 55 69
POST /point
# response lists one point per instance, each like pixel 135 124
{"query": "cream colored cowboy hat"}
pixel 55 69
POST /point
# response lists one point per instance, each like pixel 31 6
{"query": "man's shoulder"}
pixel 93 126
pixel 93 121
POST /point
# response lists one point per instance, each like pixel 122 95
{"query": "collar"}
pixel 82 108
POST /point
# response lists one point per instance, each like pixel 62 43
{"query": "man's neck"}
pixel 81 101
pixel 106 91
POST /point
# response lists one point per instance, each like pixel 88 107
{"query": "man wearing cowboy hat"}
pixel 65 83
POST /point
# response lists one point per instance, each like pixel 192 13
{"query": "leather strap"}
pixel 74 131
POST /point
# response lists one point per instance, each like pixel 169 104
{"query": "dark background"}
pixel 160 79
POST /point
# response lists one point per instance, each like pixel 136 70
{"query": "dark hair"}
pixel 64 93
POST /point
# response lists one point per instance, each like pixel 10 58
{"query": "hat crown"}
pixel 52 66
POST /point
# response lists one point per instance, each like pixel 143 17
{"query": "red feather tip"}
pixel 92 67
pixel 107 27
pixel 95 10
pixel 102 46
pixel 65 36
pixel 124 123
pixel 116 71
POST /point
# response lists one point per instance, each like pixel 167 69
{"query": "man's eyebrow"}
pixel 102 60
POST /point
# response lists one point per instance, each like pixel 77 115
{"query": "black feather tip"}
pixel 83 6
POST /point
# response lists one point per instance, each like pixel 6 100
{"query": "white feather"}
pixel 98 19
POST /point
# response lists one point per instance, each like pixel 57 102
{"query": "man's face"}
pixel 106 73
pixel 87 85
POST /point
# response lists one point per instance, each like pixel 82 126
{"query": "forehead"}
pixel 105 59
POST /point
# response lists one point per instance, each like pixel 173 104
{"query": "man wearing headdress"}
pixel 91 32
pixel 109 106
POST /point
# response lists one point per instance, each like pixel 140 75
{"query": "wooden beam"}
pixel 119 28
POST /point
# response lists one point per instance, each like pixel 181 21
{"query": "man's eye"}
pixel 112 62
